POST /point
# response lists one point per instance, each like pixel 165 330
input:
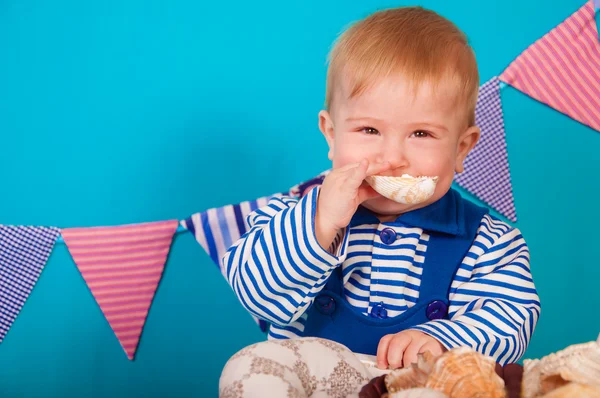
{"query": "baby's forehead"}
pixel 401 84
pixel 399 94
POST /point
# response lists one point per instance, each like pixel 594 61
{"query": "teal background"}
pixel 115 112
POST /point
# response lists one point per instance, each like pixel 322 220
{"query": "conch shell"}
pixel 405 189
pixel 578 363
pixel 458 373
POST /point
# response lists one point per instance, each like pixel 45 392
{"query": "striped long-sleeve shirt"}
pixel 278 267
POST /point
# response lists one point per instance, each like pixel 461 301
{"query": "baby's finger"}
pixel 366 192
pixel 398 345
pixel 357 175
pixel 413 349
pixel 432 347
pixel 382 350
pixel 376 168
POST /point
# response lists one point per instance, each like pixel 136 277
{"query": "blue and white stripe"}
pixel 278 268
pixel 24 252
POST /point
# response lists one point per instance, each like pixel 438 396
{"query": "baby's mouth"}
pixel 390 173
pixel 405 189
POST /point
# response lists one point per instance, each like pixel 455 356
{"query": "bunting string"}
pixel 122 265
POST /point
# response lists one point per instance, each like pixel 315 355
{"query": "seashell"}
pixel 405 189
pixel 426 360
pixel 574 390
pixel 413 376
pixel 404 379
pixel 578 363
pixel 417 393
pixel 464 373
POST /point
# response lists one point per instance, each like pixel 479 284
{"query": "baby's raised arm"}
pixel 278 267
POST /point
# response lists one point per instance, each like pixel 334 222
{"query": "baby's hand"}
pixel 401 349
pixel 342 191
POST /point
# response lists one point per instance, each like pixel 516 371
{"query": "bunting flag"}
pixel 24 252
pixel 562 69
pixel 122 267
pixel 304 187
pixel 487 174
pixel 219 228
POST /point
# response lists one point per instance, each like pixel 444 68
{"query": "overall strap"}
pixel 445 252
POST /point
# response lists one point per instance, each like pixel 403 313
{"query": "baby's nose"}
pixel 396 158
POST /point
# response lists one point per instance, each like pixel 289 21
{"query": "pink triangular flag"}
pixel 122 266
pixel 562 69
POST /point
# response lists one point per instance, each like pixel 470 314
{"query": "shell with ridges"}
pixel 404 379
pixel 417 393
pixel 405 189
pixel 413 376
pixel 465 373
pixel 579 363
pixel 574 390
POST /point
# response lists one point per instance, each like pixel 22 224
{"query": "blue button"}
pixel 436 310
pixel 325 304
pixel 388 236
pixel 378 311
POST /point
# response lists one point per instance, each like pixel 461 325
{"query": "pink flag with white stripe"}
pixel 122 267
pixel 562 69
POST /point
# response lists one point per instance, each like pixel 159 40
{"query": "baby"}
pixel 387 278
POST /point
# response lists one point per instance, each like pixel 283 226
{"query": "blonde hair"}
pixel 415 42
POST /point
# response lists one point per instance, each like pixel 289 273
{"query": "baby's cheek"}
pixel 344 159
pixel 438 164
pixel 441 167
pixel 349 150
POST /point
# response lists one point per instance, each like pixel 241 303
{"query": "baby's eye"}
pixel 369 130
pixel 421 134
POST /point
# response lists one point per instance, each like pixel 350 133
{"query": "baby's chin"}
pixel 382 206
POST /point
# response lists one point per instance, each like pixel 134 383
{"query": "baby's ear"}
pixel 466 142
pixel 326 127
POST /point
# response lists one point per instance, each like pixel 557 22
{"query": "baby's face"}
pixel 422 133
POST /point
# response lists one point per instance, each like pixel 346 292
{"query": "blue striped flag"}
pixel 218 228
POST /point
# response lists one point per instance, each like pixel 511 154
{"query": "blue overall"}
pixel 331 317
